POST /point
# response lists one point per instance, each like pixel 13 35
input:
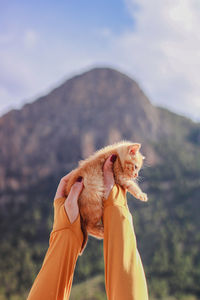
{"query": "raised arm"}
pixel 55 277
pixel 124 274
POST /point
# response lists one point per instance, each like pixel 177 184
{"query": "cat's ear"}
pixel 134 148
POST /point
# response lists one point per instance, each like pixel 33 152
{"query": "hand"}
pixel 108 174
pixel 62 185
pixel 71 202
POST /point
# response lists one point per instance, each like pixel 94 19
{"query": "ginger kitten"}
pixel 125 169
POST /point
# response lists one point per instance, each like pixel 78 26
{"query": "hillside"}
pixel 87 112
pixel 45 139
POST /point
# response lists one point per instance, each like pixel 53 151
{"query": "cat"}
pixel 125 169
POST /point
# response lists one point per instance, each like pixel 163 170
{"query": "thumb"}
pixel 76 188
pixel 108 165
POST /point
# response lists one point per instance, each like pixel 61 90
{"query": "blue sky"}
pixel 157 43
pixel 65 16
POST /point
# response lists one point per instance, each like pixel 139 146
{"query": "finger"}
pixel 109 163
pixel 61 187
pixel 66 177
pixel 60 192
pixel 75 190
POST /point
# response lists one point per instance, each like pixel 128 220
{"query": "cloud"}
pixel 32 64
pixel 30 38
pixel 17 78
pixel 104 32
pixel 5 39
pixel 162 51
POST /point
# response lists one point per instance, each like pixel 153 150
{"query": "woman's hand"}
pixel 108 174
pixel 71 202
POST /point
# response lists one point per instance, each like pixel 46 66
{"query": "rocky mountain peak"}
pixel 86 112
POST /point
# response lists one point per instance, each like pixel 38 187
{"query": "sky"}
pixel 157 43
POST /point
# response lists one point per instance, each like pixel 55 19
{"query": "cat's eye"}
pixel 136 167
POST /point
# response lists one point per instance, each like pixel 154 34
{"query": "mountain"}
pixel 44 140
pixel 84 113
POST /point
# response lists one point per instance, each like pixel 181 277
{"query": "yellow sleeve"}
pixel 124 274
pixel 55 277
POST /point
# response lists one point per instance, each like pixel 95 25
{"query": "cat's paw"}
pixel 143 197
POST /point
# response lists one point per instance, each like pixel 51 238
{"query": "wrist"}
pixel 116 197
pixel 108 190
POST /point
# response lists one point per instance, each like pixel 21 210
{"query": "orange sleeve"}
pixel 55 277
pixel 124 274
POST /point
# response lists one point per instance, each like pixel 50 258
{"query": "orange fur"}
pixel 126 167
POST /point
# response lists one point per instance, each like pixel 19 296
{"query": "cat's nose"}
pixel 135 175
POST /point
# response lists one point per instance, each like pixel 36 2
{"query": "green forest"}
pixel 167 230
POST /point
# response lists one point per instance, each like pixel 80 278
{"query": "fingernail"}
pixel 113 158
pixel 79 179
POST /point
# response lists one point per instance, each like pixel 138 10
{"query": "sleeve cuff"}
pixel 61 220
pixel 117 197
